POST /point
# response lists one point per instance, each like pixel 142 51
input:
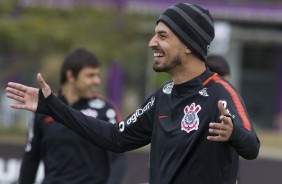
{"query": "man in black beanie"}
pixel 197 124
pixel 193 26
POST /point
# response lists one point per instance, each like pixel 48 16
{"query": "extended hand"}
pixel 27 96
pixel 221 130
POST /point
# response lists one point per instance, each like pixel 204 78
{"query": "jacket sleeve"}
pixel 31 158
pixel 132 133
pixel 243 138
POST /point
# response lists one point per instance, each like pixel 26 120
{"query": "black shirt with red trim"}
pixel 68 158
pixel 175 120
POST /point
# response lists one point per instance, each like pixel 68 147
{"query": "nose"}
pixel 153 42
pixel 97 80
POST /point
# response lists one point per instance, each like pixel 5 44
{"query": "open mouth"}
pixel 158 54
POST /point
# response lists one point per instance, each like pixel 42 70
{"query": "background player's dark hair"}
pixel 76 61
pixel 218 64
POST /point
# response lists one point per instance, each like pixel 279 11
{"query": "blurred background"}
pixel 35 36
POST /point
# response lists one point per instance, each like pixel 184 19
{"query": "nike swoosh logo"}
pixel 48 119
pixel 161 117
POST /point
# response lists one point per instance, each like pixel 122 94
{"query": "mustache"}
pixel 157 49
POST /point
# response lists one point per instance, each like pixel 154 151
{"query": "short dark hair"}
pixel 218 64
pixel 76 61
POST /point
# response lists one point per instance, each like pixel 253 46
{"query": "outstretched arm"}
pixel 88 127
pixel 135 133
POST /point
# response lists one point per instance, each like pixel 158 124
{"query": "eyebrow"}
pixel 161 32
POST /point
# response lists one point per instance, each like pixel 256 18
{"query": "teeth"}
pixel 158 54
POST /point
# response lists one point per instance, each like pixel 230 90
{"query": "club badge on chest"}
pixel 190 121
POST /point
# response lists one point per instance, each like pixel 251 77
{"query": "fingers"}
pixel 17 86
pixel 219 126
pixel 221 131
pixel 15 97
pixel 216 138
pixel 41 80
pixel 18 106
pixel 218 132
pixel 15 94
pixel 224 112
pixel 218 129
pixel 221 108
pixel 21 106
pixel 43 85
pixel 15 91
pixel 225 119
pixel 19 99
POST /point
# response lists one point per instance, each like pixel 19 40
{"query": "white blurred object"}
pixel 9 171
pixel 221 42
pixel 10 117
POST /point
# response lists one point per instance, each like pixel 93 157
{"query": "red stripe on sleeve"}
pixel 209 79
pixel 237 102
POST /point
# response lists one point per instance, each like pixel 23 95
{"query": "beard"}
pixel 169 66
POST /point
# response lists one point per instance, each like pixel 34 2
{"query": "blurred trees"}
pixel 35 37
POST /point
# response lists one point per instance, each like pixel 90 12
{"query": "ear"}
pixel 187 51
pixel 69 76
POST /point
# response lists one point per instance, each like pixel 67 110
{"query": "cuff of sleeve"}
pixel 42 106
pixel 235 132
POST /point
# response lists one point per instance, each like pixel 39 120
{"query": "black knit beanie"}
pixel 192 24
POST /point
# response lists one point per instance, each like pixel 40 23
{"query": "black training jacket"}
pixel 68 158
pixel 175 120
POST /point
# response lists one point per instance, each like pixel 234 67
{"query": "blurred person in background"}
pixel 218 64
pixel 197 124
pixel 67 157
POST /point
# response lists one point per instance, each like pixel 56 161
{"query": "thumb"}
pixel 46 90
pixel 221 108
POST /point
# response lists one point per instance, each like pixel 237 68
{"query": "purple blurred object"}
pixel 114 84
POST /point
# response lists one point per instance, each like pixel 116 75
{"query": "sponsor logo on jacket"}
pixel 138 112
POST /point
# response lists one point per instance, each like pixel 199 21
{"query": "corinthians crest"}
pixel 190 121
